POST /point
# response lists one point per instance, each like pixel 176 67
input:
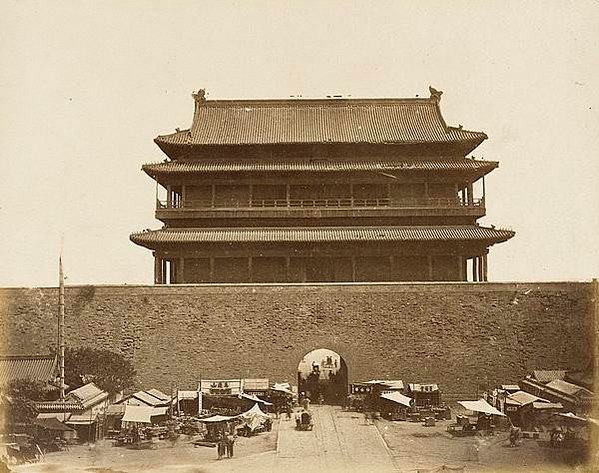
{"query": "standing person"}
pixel 220 443
pixel 231 437
pixel 288 410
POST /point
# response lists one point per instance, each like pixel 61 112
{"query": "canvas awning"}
pixel 546 405
pixel 283 387
pixel 481 406
pixel 251 397
pixel 523 398
pixel 254 417
pixel 399 398
pixel 142 414
pixel 218 418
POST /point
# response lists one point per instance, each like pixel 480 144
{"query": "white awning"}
pixel 251 397
pixel 481 406
pixel 140 414
pixel 218 418
pixel 399 398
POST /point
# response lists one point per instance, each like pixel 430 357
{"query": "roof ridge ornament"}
pixel 199 96
pixel 435 94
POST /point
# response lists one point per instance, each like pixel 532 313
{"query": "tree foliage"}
pixel 108 370
pixel 17 400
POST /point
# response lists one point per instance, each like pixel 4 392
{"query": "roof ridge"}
pixel 319 101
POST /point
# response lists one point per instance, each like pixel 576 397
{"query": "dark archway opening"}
pixel 322 376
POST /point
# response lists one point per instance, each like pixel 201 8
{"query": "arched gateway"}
pixel 322 375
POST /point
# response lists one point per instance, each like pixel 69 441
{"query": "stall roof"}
pixel 481 406
pixel 510 387
pixel 568 388
pixel 85 418
pixel 523 398
pixel 116 410
pixel 546 405
pixel 52 423
pixel 398 398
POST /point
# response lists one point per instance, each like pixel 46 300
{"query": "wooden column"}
pixel 169 197
pixel 212 268
pixel 157 270
pixel 287 265
pixel 251 195
pixel 474 270
pixel 461 267
pixel 470 194
pixel 485 270
pixel 212 198
pixel 287 193
pixel 430 268
pixel 172 272
pixel 480 269
pixel 163 272
pixel 426 189
pixel 353 263
pixel 250 268
pixel 183 197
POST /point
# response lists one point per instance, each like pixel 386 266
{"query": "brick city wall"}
pixel 460 335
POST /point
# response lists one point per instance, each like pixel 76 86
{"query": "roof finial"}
pixel 200 96
pixel 435 94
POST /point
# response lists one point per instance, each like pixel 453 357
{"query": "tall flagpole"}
pixel 61 323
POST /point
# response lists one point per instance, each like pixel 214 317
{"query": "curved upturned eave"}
pixel 153 239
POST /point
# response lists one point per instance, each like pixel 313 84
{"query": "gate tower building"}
pixel 319 190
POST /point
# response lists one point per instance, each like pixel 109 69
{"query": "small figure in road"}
pixel 220 444
pixel 288 410
pixel 230 440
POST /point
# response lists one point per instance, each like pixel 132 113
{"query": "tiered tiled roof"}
pixel 321 165
pixel 319 121
pixel 151 239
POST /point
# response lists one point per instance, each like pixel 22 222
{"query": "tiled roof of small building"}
pixel 375 121
pixel 33 367
pixel 152 238
pixel 318 165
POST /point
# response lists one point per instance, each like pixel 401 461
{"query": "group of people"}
pixel 225 441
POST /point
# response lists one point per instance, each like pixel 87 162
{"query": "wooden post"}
pixel 213 198
pixel 169 198
pixel 250 268
pixel 287 268
pixel 474 270
pixel 287 193
pixel 61 343
pixel 172 272
pixel 461 267
pixel 183 196
pixel 353 264
pixel 470 194
pixel 163 272
pixel 212 269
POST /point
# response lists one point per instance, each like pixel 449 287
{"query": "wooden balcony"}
pixel 429 206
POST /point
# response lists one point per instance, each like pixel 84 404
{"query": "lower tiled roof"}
pixel 316 165
pixel 153 238
pixel 33 367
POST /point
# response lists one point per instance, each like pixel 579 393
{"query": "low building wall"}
pixel 464 336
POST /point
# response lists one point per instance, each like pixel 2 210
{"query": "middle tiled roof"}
pixel 320 165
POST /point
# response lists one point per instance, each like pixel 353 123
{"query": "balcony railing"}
pixel 425 202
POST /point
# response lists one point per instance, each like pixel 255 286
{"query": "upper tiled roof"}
pixel 320 165
pixel 545 376
pixel 376 121
pixel 150 239
pixel 33 367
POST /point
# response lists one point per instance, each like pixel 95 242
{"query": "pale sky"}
pixel 86 86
